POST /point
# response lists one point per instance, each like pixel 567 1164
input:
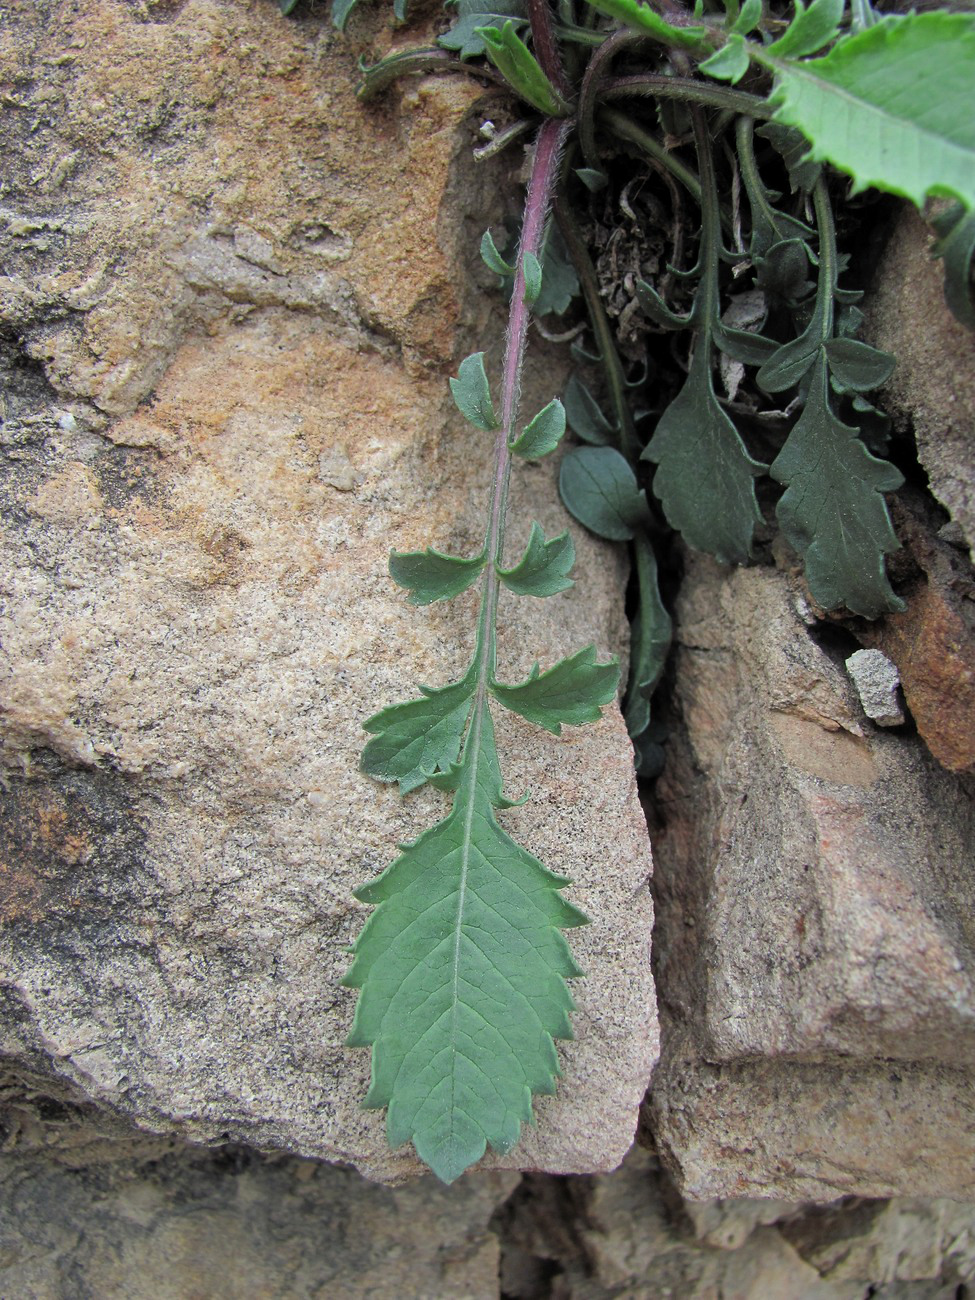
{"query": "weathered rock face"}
pixel 234 293
pixel 815 941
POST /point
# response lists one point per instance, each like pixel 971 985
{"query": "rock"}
pixel 932 390
pixel 210 455
pixel 877 682
pixel 814 939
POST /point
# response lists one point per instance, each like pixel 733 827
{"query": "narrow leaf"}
pixel 657 309
pixel 599 489
pixel 956 247
pixel 651 632
pixel 833 511
pixel 743 345
pixel 585 416
pixel 532 271
pixel 462 971
pixel 748 18
pixel 570 694
pixel 415 740
pixel 705 478
pixel 287 6
pixel 794 149
pixel 340 12
pixel 790 362
pixel 893 106
pixel 593 180
pixel 543 569
pixel 516 63
pixel 543 434
pixel 472 393
pixel 810 29
pixel 430 575
pixel 642 18
pixel 492 259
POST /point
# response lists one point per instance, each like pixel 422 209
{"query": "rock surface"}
pixel 815 947
pixel 235 296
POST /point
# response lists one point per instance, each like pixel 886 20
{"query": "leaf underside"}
pixel 414 740
pixel 572 692
pixel 894 105
pixel 430 575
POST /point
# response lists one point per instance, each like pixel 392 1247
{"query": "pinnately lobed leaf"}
pixel 893 106
pixel 544 568
pixel 430 575
pixel 572 692
pixel 415 740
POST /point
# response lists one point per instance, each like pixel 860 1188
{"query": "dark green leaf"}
pixel 472 393
pixel 705 478
pixel 560 284
pixel 833 511
pixel 657 309
pixel 430 575
pixel 793 147
pixel 543 434
pixel 532 272
pixel 592 179
pixel 569 694
pixel 543 569
pixel 730 63
pixel 472 14
pixel 743 345
pixel 600 490
pixel 856 367
pixel 418 738
pixel 956 246
pixel 288 5
pixel 787 365
pixel 516 63
pixel 783 270
pixel 586 419
pixel 810 29
pixel 492 259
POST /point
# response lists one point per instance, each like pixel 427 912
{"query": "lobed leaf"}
pixel 810 30
pixel 472 393
pixel 833 511
pixel 431 575
pixel 570 693
pixel 462 970
pixel 414 740
pixel 472 14
pixel 599 488
pixel 543 434
pixel 893 106
pixel 543 569
pixel 705 478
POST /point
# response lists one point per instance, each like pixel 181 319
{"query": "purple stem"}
pixel 546 49
pixel 541 186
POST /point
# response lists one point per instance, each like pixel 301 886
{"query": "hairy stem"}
pixel 546 49
pixel 688 89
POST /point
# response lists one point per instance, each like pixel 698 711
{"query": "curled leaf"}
pixel 543 434
pixel 472 393
pixel 544 568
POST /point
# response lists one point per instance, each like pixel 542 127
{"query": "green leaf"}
pixel 743 345
pixel 642 18
pixel 340 12
pixel 957 248
pixel 833 511
pixel 560 284
pixel 543 569
pixel 585 416
pixel 789 363
pixel 543 434
pixel 472 393
pixel 286 6
pixel 599 489
pixel 570 694
pixel 430 575
pixel 516 63
pixel 749 17
pixel 856 367
pixel 810 29
pixel 730 63
pixel 793 147
pixel 893 106
pixel 413 741
pixel 862 15
pixel 783 269
pixel 532 271
pixel 462 971
pixel 472 14
pixel 705 479
pixel 492 259
pixel 593 180
pixel 658 311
